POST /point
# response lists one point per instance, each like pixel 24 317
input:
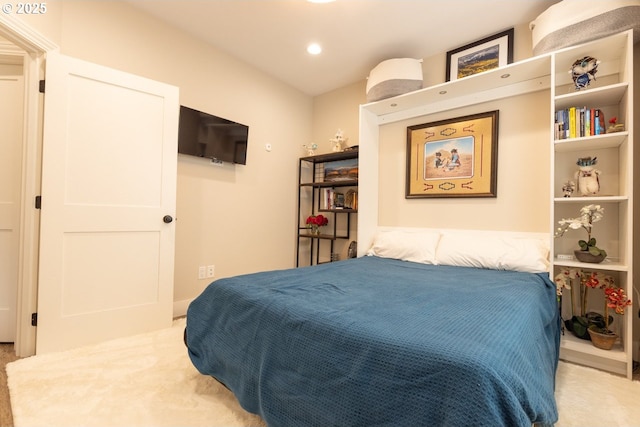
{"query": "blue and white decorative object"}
pixel 588 177
pixel 311 149
pixel 583 71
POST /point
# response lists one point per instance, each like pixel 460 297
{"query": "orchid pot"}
pixel 588 252
pixel 579 283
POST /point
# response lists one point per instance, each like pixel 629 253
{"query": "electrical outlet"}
pixel 202 272
pixel 210 270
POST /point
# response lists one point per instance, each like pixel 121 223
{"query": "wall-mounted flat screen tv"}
pixel 205 135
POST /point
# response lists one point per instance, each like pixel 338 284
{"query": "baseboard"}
pixel 180 307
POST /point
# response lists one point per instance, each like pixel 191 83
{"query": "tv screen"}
pixel 205 135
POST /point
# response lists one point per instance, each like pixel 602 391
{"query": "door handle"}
pixel 167 219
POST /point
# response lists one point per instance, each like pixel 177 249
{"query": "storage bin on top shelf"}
pixel 572 22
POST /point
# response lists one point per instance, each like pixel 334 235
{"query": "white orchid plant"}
pixel 589 215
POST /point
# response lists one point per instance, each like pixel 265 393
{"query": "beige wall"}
pixel 238 218
pixel 335 110
pixel 523 174
pixel 523 157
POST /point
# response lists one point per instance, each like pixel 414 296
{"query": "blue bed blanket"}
pixel 381 342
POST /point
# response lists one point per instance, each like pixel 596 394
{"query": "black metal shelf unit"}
pixel 327 185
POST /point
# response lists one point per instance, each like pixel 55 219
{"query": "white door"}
pixel 108 181
pixel 11 121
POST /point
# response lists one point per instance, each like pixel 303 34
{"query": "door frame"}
pixel 35 47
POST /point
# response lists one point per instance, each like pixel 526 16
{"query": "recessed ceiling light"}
pixel 314 49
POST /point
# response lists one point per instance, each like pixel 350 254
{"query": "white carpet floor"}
pixel 148 380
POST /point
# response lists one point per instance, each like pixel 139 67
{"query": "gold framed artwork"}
pixel 453 158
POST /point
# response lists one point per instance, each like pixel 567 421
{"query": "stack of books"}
pixel 331 199
pixel 576 122
pixel 335 200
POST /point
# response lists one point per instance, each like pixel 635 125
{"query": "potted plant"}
pixel 575 280
pixel 603 337
pixel 589 325
pixel 314 222
pixel 588 251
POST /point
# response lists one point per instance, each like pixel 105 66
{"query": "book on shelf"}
pixel 576 122
pixel 331 199
pixel 351 199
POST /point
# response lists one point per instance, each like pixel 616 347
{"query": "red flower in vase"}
pixel 319 220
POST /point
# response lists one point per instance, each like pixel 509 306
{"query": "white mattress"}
pixel 572 22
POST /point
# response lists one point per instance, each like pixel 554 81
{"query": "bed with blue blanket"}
pixel 375 341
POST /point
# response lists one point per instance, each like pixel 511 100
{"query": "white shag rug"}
pixel 148 380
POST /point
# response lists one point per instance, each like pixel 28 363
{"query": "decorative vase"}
pixel 603 341
pixel 585 256
pixel 315 230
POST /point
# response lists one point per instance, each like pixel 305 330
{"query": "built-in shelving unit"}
pixel 612 92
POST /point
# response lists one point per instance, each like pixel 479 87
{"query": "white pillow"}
pixel 407 245
pixel 495 252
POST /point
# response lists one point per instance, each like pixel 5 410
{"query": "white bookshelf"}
pixel 612 92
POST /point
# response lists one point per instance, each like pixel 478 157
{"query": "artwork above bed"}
pixel 456 157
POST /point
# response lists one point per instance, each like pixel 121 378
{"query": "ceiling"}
pixel 355 35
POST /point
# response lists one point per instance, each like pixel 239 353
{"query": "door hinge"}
pixel 38 202
pixel 41 86
pixel 34 319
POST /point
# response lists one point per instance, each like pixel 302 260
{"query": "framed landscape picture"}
pixel 491 52
pixel 453 158
pixel 341 170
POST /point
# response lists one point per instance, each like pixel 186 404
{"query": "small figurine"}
pixel 615 127
pixel 568 188
pixel 311 149
pixel 338 141
pixel 583 71
pixel 587 176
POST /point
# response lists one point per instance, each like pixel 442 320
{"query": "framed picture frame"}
pixel 483 55
pixel 341 170
pixel 453 158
